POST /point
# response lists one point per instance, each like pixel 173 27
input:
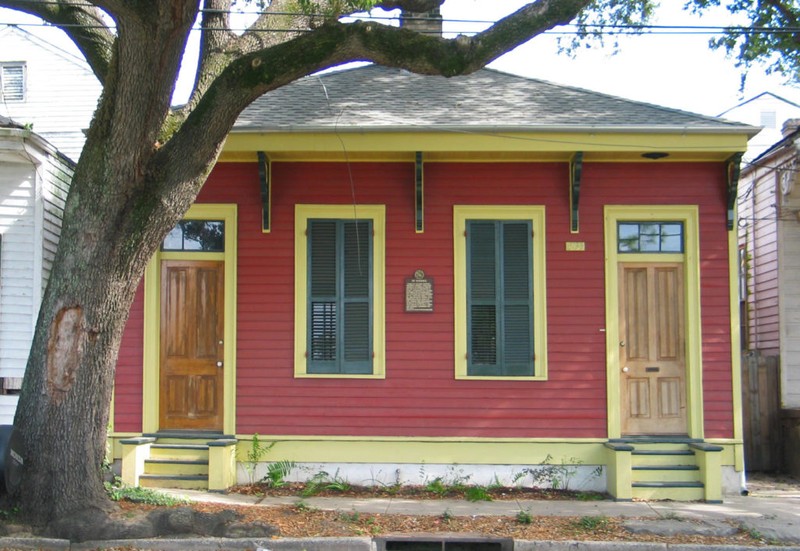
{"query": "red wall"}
pixel 419 396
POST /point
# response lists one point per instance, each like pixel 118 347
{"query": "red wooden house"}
pixel 396 277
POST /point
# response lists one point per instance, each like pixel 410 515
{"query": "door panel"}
pixel 191 345
pixel 652 349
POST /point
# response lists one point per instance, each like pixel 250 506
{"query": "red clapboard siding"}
pixel 128 378
pixel 419 396
pixel 687 184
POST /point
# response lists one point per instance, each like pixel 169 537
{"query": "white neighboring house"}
pixel 45 84
pixel 767 110
pixel 34 180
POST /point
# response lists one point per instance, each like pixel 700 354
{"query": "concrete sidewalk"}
pixel 773 515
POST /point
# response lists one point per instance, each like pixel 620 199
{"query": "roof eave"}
pixel 747 130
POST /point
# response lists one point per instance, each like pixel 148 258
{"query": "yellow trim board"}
pixel 736 345
pixel 152 316
pixel 534 214
pixel 689 215
pixel 596 144
pixel 433 450
pixel 376 213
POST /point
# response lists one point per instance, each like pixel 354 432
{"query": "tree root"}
pixel 89 525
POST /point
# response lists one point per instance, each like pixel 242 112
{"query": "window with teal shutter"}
pixel 339 296
pixel 499 298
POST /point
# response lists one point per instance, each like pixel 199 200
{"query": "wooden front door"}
pixel 192 297
pixel 652 349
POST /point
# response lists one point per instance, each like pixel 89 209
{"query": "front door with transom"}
pixel 652 349
pixel 191 358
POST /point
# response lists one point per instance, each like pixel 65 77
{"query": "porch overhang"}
pixel 495 145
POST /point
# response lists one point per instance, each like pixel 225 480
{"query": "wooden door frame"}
pixel 689 215
pixel 152 317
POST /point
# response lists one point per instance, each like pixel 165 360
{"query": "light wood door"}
pixel 191 345
pixel 652 349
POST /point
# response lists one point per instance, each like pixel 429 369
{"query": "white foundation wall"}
pixel 585 478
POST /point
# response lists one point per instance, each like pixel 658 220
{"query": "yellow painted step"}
pixel 665 490
pixel 186 452
pixel 185 482
pixel 677 473
pixel 176 467
pixel 642 458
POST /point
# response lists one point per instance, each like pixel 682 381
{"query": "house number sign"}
pixel 419 293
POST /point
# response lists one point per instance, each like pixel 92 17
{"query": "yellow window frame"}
pixel 152 315
pixel 376 213
pixel 536 216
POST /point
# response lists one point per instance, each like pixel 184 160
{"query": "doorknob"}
pixel 219 364
pixel 625 369
pixel 622 344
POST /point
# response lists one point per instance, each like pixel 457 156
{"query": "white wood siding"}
pixel 61 91
pixel 17 275
pixel 54 195
pixel 8 407
pixel 758 223
pixel 789 297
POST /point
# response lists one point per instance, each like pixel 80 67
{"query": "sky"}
pixel 672 70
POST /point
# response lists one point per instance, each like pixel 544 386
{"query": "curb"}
pixel 345 544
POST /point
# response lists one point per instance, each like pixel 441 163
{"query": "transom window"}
pixel 196 236
pixel 12 81
pixel 650 237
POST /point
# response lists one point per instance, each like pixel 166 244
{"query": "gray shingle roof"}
pixel 5 122
pixel 380 98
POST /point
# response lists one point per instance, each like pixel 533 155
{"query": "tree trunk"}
pixel 67 389
pixel 121 204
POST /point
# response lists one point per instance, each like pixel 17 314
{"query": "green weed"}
pixel 524 517
pixel 477 493
pixel 437 486
pixel 353 516
pixel 255 453
pixel 592 523
pixel 277 473
pixel 136 494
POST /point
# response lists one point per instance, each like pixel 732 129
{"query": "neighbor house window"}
pixel 12 81
pixel 500 292
pixel 339 288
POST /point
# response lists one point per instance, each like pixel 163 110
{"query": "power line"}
pixel 570 29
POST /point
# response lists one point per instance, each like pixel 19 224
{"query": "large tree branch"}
pixel 82 22
pixel 333 43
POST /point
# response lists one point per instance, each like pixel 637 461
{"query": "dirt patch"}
pixel 304 522
pixel 432 492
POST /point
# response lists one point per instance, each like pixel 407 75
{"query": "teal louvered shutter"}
pixel 499 298
pixel 357 297
pixel 339 297
pixel 323 326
